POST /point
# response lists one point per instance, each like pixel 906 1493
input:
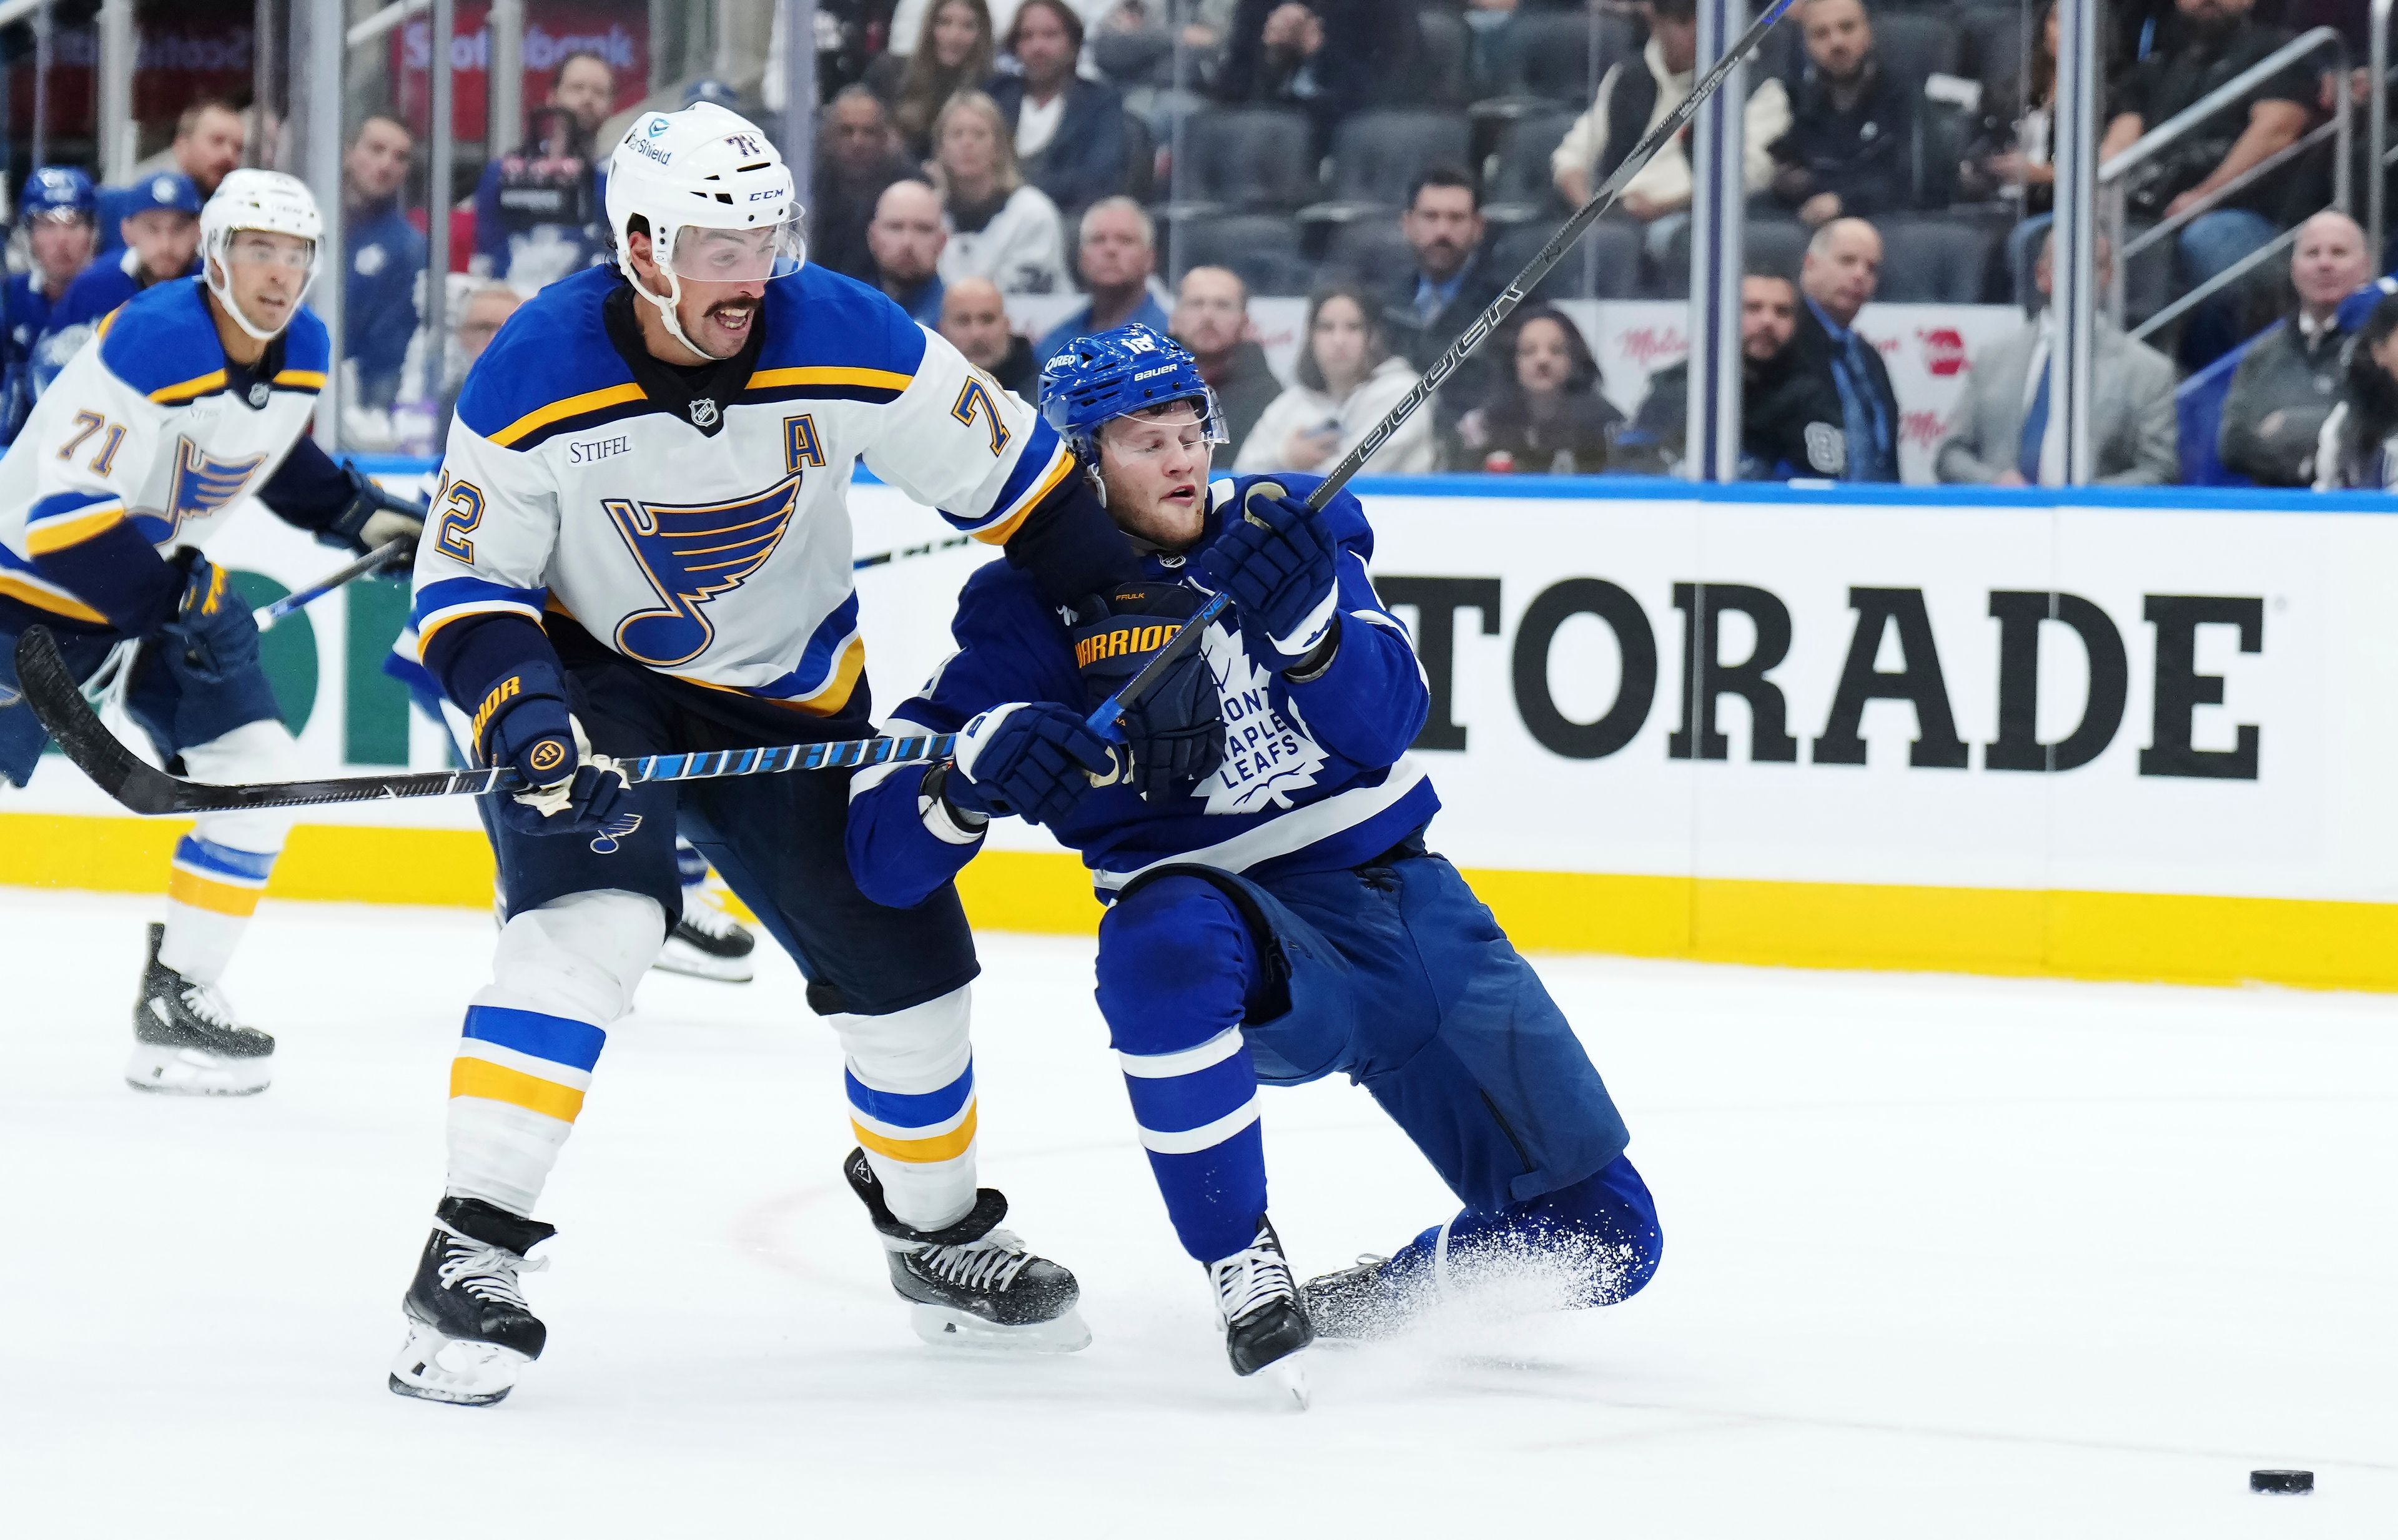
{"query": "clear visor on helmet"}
pixel 705 254
pixel 269 248
pixel 1155 432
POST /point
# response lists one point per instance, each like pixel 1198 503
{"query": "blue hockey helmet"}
pixel 59 192
pixel 707 89
pixel 1093 380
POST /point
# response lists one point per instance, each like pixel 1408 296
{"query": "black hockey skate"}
pixel 1368 1301
pixel 708 943
pixel 470 1332
pixel 1263 1318
pixel 974 1285
pixel 185 1041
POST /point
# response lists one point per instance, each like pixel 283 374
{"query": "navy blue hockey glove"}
pixel 569 790
pixel 372 516
pixel 1176 732
pixel 1277 561
pixel 1033 759
pixel 212 636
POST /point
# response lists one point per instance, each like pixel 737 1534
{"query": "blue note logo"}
pixel 613 833
pixel 692 554
pixel 202 484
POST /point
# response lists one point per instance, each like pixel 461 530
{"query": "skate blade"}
pixel 433 1368
pixel 1286 1382
pixel 165 1070
pixel 691 963
pixel 956 1328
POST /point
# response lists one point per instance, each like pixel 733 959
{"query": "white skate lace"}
pixel 700 913
pixel 990 1263
pixel 203 1001
pixel 1246 1280
pixel 486 1271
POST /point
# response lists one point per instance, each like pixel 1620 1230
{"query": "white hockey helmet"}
pixel 250 198
pixel 715 198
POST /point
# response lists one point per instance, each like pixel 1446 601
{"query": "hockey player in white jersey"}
pixel 196 395
pixel 639 544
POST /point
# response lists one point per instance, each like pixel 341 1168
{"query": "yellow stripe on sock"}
pixel 498 1082
pixel 945 1146
pixel 186 888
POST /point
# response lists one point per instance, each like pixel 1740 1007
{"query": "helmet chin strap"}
pixel 222 289
pixel 670 302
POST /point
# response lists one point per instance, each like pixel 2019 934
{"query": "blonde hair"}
pixel 1002 141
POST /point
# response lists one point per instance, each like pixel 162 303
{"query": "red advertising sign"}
pixel 618 34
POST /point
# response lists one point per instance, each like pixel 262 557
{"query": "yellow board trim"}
pixel 214 380
pixel 498 1082
pixel 945 1146
pixel 2146 936
pixel 56 534
pixel 590 401
pixel 184 887
pixel 875 379
pixel 42 599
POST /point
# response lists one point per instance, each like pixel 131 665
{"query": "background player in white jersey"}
pixel 1274 915
pixel 196 395
pixel 640 545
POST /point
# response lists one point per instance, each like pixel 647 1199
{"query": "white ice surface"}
pixel 1943 1258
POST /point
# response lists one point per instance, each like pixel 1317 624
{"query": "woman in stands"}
pixel 1348 378
pixel 2013 157
pixel 1545 413
pixel 953 53
pixel 1000 226
pixel 2359 447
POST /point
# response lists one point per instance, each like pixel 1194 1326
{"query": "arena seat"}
pixel 1934 258
pixel 1245 157
pixel 1264 249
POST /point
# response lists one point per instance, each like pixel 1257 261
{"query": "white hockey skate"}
pixel 1263 1316
pixel 186 1042
pixel 974 1285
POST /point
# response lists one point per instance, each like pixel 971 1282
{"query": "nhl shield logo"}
pixel 259 393
pixel 703 413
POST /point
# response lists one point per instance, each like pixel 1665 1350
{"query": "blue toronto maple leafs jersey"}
pixel 1315 775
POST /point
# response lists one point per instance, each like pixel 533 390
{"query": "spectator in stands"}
pixel 856 158
pixel 2219 40
pixel 383 254
pixel 1791 418
pixel 557 174
pixel 1348 378
pixel 1633 96
pixel 2004 435
pixel 1545 413
pixel 1837 280
pixel 56 208
pixel 1211 318
pixel 1454 281
pixel 906 240
pixel 2013 157
pixel 1118 253
pixel 1069 138
pixel 209 137
pixel 1850 151
pixel 1327 58
pixel 2289 379
pixel 2359 447
pixel 973 317
pixel 480 314
pixel 953 53
pixel 161 234
pixel 1000 228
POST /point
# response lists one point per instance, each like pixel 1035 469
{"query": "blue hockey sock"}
pixel 1603 1229
pixel 691 867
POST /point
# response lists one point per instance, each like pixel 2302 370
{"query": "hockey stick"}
pixel 334 579
pixel 1103 720
pixel 51 690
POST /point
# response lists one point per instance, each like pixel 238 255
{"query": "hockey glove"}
pixel 213 635
pixel 372 516
pixel 1034 760
pixel 1277 561
pixel 568 789
pixel 1176 732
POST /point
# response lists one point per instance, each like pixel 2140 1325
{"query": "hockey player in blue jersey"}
pixel 162 242
pixel 641 545
pixel 1275 914
pixel 196 395
pixel 58 209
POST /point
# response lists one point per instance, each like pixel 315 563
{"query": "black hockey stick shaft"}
pixel 1103 720
pixel 51 690
pixel 373 561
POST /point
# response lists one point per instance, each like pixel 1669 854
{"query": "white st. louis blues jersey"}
pixel 145 425
pixel 708 538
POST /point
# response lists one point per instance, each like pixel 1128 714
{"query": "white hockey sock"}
pixel 220 867
pixel 562 974
pixel 911 1105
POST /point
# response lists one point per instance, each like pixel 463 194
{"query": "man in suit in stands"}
pixel 1454 280
pixel 1836 280
pixel 2006 436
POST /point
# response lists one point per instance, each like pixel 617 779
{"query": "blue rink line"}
pixel 1652 489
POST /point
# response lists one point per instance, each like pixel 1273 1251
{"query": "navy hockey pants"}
pixel 1395 975
pixel 172 718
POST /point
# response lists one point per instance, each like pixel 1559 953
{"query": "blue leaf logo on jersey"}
pixel 691 554
pixel 202 485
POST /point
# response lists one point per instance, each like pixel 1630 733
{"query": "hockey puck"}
pixel 2281 1480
